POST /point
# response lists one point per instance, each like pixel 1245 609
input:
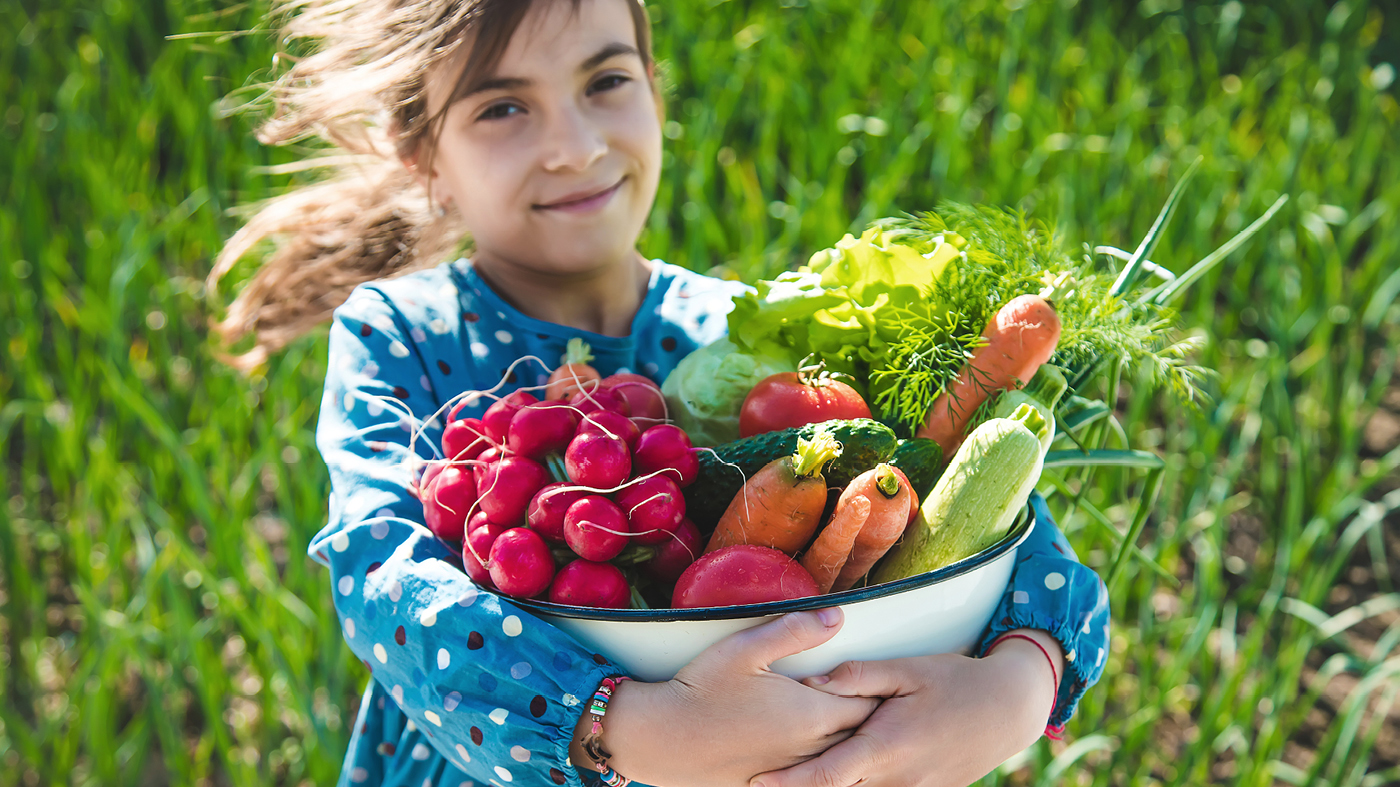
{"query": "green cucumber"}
pixel 864 444
pixel 921 460
pixel 976 500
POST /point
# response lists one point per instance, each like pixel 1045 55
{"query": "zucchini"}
pixel 975 501
pixel 921 460
pixel 864 444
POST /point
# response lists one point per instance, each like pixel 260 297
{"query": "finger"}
pixel 863 679
pixel 857 758
pixel 755 648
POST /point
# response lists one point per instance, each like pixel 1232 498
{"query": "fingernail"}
pixel 818 680
pixel 829 616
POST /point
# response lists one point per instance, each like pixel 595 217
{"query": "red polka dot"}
pixel 471 316
pixel 668 344
pixel 557 776
pixel 365 330
pixel 387 749
pixel 475 640
pixel 377 445
pixel 538 706
pixel 600 658
pixel 444 368
pixel 373 567
pixel 476 736
pixel 400 392
pixel 400 636
pixel 321 553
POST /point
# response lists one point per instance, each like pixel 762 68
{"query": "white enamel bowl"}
pixel 943 611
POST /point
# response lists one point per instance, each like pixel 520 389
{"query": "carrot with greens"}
pixel 1020 338
pixel 891 498
pixel 574 374
pixel 827 555
pixel 782 504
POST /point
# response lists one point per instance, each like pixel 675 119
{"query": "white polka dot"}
pixel 512 626
pixel 623 370
pixel 371 369
pixel 504 337
pixel 410 726
pixel 651 368
pixel 406 424
pixel 379 530
pixel 1069 656
pixel 418 335
pixel 444 658
pixel 381 654
pixel 359 775
pixel 1054 580
pixel 499 715
pixel 1086 627
pixel 501 315
pixel 375 407
pixel 503 773
pixel 1020 597
pixel 349 401
pixel 340 542
pixel 462 752
pixel 521 670
pixel 468 597
pixel 396 591
pixel 428 618
pixel 569 700
pixel 520 754
pixel 384 512
pixel 425 382
pixel 383 322
pixel 451 701
pixel 420 752
pixel 397 694
pixel 480 350
pixel 346 585
pixel 349 628
pixel 438 326
pixel 1099 660
pixel 432 717
pixel 428 782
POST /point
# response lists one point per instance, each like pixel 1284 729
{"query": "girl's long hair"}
pixel 360 93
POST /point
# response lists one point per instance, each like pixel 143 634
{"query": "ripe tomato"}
pixel 789 399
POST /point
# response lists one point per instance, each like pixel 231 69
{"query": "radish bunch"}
pixel 575 500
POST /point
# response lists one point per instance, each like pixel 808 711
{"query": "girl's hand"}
pixel 726 717
pixel 948 720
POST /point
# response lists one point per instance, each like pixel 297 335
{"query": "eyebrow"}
pixel 603 55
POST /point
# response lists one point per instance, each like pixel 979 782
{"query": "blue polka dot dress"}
pixel 467 688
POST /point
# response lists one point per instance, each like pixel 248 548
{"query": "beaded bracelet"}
pixel 593 741
pixel 1052 731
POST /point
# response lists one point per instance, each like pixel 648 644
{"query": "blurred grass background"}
pixel 160 623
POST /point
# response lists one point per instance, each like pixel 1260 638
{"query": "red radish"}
pixel 1020 338
pixel 680 549
pixel 595 528
pixel 574 374
pixel 586 583
pixel 643 395
pixel 598 460
pixel 461 405
pixel 496 419
pixel 789 399
pixel 448 499
pixel 538 429
pixel 507 487
pixel 479 519
pixel 742 574
pixel 600 399
pixel 666 447
pixel 430 472
pixel 547 509
pixel 654 508
pixel 477 549
pixel 521 563
pixel 615 424
pixel 464 439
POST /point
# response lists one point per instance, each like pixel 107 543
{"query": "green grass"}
pixel 159 622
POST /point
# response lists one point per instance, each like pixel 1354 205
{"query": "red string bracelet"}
pixel 1052 731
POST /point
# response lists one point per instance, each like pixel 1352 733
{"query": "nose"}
pixel 573 142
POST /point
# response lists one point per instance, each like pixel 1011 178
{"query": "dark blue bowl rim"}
pixel 1019 532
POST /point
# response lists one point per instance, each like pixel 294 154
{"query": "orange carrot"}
pixel 574 374
pixel 1020 338
pixel 782 504
pixel 913 498
pixel 827 555
pixel 889 494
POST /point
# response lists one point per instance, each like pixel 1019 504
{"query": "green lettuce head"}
pixel 706 390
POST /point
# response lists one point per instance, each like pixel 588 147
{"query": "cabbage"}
pixel 706 390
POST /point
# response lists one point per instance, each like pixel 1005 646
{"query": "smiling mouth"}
pixel 583 203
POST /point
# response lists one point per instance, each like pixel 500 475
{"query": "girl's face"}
pixel 553 163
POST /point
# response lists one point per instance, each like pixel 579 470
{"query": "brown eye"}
pixel 609 82
pixel 497 111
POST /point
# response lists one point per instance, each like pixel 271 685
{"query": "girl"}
pixel 535 127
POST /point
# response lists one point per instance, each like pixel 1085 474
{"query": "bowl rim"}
pixel 1020 530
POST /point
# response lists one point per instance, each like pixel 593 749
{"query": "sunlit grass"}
pixel 159 622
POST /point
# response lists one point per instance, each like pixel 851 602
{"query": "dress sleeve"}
pixel 1052 591
pixel 497 690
